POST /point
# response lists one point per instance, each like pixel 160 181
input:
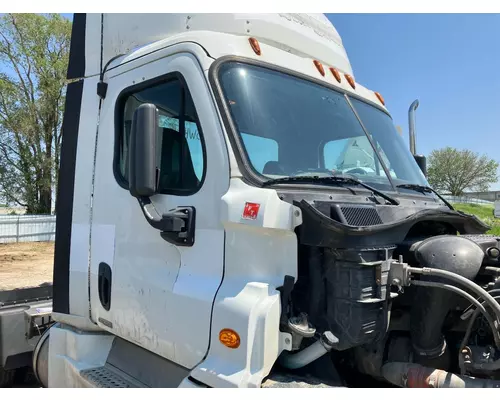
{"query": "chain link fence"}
pixel 466 200
pixel 27 228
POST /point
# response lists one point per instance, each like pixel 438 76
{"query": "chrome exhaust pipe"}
pixel 411 126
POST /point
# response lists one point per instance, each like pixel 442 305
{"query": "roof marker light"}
pixel 380 98
pixel 255 45
pixel 319 66
pixel 336 74
pixel 350 79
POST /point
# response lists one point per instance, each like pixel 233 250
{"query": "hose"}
pixel 463 281
pixel 309 354
pixel 463 293
pixel 471 324
pixel 469 310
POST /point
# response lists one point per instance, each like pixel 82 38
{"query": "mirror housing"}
pixel 422 163
pixel 142 152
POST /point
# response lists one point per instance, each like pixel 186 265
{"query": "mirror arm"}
pixel 176 226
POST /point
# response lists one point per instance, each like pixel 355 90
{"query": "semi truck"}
pixel 236 210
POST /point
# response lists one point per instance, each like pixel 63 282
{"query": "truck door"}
pixel 154 292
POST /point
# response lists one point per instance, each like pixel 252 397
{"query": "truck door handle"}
pixel 104 284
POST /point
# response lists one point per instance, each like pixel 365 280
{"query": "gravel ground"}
pixel 26 264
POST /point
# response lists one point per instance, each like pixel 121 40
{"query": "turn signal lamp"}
pixel 229 338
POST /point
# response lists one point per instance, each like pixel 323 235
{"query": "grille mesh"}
pixel 361 216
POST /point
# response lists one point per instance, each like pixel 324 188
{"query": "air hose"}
pixel 463 281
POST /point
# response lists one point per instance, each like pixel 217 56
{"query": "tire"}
pixel 6 377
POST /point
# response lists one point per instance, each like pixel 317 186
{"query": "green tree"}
pixel 454 171
pixel 34 53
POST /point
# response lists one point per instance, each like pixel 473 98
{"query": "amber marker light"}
pixel 336 74
pixel 380 98
pixel 319 67
pixel 350 79
pixel 255 45
pixel 229 338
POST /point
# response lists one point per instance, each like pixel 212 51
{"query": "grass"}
pixel 484 213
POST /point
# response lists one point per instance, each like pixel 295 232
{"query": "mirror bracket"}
pixel 176 226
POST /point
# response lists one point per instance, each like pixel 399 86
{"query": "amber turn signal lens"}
pixel 229 338
pixel 336 74
pixel 255 45
pixel 320 68
pixel 350 79
pixel 380 98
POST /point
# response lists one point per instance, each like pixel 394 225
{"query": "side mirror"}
pixel 422 163
pixel 176 226
pixel 142 151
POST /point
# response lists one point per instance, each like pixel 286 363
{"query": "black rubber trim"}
pixel 65 193
pixel 120 104
pixel 199 383
pixel 25 295
pixel 76 65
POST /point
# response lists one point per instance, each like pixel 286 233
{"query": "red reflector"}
pixel 251 210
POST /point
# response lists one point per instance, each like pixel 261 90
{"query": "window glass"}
pixel 180 155
pixel 262 151
pixel 314 128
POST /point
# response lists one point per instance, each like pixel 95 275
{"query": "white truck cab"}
pixel 231 205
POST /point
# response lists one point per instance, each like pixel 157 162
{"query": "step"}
pixel 109 377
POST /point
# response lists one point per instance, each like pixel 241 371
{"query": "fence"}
pixel 27 228
pixel 465 199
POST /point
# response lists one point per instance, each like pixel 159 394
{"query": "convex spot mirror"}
pixel 142 151
pixel 422 163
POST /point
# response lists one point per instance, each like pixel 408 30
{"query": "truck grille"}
pixel 356 215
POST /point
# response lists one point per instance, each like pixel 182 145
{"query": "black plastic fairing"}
pixel 319 229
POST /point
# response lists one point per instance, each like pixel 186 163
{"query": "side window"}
pixel 261 151
pixel 180 155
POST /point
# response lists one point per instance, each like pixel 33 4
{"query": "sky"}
pixel 449 62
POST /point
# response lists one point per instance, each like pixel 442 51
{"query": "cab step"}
pixel 109 377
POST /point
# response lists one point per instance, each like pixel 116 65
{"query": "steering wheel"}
pixel 357 171
pixel 308 171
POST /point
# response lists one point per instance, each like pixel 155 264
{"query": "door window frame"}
pixel 119 128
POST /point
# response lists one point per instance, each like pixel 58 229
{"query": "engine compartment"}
pixel 399 296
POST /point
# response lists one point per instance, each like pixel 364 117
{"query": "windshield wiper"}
pixel 335 180
pixel 425 189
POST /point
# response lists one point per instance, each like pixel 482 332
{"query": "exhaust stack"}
pixel 420 159
pixel 411 125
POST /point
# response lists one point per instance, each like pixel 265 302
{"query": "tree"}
pixel 34 53
pixel 454 171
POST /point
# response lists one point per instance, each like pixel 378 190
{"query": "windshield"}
pixel 291 127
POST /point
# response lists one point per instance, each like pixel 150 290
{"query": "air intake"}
pixel 355 215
